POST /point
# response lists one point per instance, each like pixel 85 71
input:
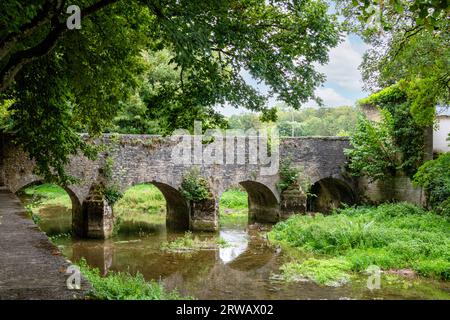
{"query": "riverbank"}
pixel 399 239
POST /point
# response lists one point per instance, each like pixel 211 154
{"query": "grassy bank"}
pixel 233 208
pixel 124 286
pixel 328 249
pixel 46 195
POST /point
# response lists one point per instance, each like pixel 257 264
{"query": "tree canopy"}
pixel 65 81
pixel 410 45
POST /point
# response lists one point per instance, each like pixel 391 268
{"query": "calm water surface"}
pixel 247 269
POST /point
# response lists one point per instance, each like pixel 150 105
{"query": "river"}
pixel 248 268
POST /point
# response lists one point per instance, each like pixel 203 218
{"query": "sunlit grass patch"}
pixel 329 272
pixel 233 208
pixel 46 195
pixel 141 198
pixel 234 199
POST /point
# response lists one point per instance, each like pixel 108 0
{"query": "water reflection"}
pixel 243 270
pixel 237 243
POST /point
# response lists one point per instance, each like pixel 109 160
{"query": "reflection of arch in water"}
pixel 329 193
pixel 262 203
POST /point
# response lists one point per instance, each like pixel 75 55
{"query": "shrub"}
pixel 194 186
pixel 292 175
pixel 434 177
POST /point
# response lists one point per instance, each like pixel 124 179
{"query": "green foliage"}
pixel 76 81
pixel 304 122
pixel 233 208
pixel 413 48
pixel 141 198
pixel 44 195
pixel 434 177
pixel 107 168
pixel 292 176
pixel 124 286
pixel 194 187
pixel 423 13
pixel 5 115
pixel 234 199
pixel 330 272
pixel 395 144
pixel 390 236
pixel 112 194
pixel 373 152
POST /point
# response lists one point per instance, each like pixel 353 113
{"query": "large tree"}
pixel 65 81
pixel 409 44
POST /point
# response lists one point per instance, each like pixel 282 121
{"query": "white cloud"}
pixel 331 98
pixel 342 69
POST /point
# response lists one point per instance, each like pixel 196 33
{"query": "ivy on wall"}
pixel 290 175
pixel 394 144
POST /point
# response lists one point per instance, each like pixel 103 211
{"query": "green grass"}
pixel 390 236
pixel 233 208
pixel 330 272
pixel 139 199
pixel 46 195
pixel 234 199
pixel 124 286
pixel 141 209
pixel 190 243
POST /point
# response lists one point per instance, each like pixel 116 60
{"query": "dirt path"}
pixel 30 266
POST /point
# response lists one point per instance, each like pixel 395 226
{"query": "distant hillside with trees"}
pixel 339 121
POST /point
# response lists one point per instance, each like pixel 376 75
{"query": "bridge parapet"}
pixel 127 160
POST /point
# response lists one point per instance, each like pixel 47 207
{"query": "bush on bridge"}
pixel 194 187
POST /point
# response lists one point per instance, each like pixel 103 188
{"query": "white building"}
pixel 441 131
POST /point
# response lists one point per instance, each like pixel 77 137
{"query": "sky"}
pixel 343 85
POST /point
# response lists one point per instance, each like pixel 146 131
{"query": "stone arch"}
pixel 329 193
pixel 263 205
pixel 177 209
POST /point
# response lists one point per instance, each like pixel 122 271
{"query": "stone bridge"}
pixel 126 160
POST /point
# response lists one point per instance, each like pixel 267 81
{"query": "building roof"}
pixel 443 110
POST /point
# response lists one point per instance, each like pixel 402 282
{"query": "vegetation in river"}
pixel 329 272
pixel 124 286
pixel 189 242
pixel 390 236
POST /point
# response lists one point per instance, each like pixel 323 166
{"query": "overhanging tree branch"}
pixel 58 29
